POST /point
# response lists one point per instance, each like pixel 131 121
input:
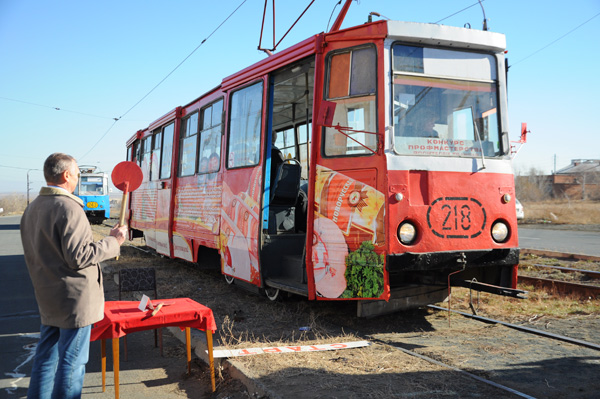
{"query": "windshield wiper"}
pixel 480 144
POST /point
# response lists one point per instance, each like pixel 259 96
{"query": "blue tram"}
pixel 94 191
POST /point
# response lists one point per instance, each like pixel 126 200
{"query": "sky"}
pixel 68 69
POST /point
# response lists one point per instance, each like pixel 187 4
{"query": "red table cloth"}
pixel 124 317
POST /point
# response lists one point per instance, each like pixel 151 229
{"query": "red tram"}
pixel 367 163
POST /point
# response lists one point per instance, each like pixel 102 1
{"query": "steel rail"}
pixel 574 341
pixel 590 273
pixel 562 287
pixel 460 371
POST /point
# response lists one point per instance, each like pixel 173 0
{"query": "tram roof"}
pixel 447 36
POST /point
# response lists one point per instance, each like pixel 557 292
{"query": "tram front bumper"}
pixel 454 260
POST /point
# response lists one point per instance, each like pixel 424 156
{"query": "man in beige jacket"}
pixel 63 263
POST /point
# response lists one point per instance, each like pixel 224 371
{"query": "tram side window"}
pixel 304 140
pixel 244 127
pixel 210 138
pixel 155 157
pixel 285 140
pixel 167 152
pixel 352 86
pixel 146 151
pixel 188 145
pixel 132 152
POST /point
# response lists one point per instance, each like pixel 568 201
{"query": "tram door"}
pixel 285 188
pixel 349 200
pixel 162 158
pixel 241 191
pixel 152 202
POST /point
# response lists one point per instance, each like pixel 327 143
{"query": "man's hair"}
pixel 55 165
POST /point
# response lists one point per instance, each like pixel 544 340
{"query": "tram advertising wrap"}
pixel 370 164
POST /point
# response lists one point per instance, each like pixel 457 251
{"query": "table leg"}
pixel 103 346
pixel 188 348
pixel 211 362
pixel 115 345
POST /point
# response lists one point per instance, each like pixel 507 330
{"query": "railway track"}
pixel 592 274
pixel 459 340
pixel 563 287
pixel 482 374
pixel 416 354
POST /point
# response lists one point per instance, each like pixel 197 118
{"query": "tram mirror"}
pixel 326 113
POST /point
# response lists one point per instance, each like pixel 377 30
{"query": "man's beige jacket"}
pixel 63 259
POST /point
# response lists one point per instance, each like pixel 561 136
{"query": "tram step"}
pixel 288 285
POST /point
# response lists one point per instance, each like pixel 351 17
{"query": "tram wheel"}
pixel 229 279
pixel 272 293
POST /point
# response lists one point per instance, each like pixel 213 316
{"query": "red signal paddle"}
pixel 127 177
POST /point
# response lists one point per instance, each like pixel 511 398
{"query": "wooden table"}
pixel 124 317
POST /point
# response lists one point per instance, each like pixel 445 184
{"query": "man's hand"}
pixel 119 232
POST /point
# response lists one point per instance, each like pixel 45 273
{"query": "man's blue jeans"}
pixel 59 363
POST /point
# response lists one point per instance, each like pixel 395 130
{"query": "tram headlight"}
pixel 407 233
pixel 499 231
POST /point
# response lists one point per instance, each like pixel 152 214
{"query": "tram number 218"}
pixel 456 217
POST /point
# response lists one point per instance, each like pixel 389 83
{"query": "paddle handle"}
pixel 123 206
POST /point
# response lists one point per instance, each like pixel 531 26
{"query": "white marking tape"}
pixel 288 349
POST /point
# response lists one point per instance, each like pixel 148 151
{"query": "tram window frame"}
pixel 166 157
pixel 304 140
pixel 282 142
pixel 155 153
pixel 132 151
pixel 145 155
pixel 408 65
pixel 346 88
pixel 234 120
pixel 188 141
pixel 210 127
pixel 301 145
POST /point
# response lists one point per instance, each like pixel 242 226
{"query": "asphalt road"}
pixel 145 375
pixel 570 241
pixel 19 318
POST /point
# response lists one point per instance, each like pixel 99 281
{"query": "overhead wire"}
pixel 165 78
pixel 458 12
pixel 16 167
pixel 54 108
pixel 556 40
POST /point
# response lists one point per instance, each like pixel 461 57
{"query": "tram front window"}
pixel 445 103
pixel 90 185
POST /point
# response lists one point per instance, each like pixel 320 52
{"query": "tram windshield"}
pixel 445 103
pixel 90 185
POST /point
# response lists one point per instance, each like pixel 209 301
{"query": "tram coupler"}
pixel 492 289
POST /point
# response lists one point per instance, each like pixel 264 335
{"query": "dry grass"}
pixel 240 314
pixel 13 204
pixel 537 304
pixel 563 212
pixel 245 320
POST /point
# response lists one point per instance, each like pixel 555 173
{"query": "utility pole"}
pixel 28 184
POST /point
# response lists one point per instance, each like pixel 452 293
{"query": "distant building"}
pixel 580 180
